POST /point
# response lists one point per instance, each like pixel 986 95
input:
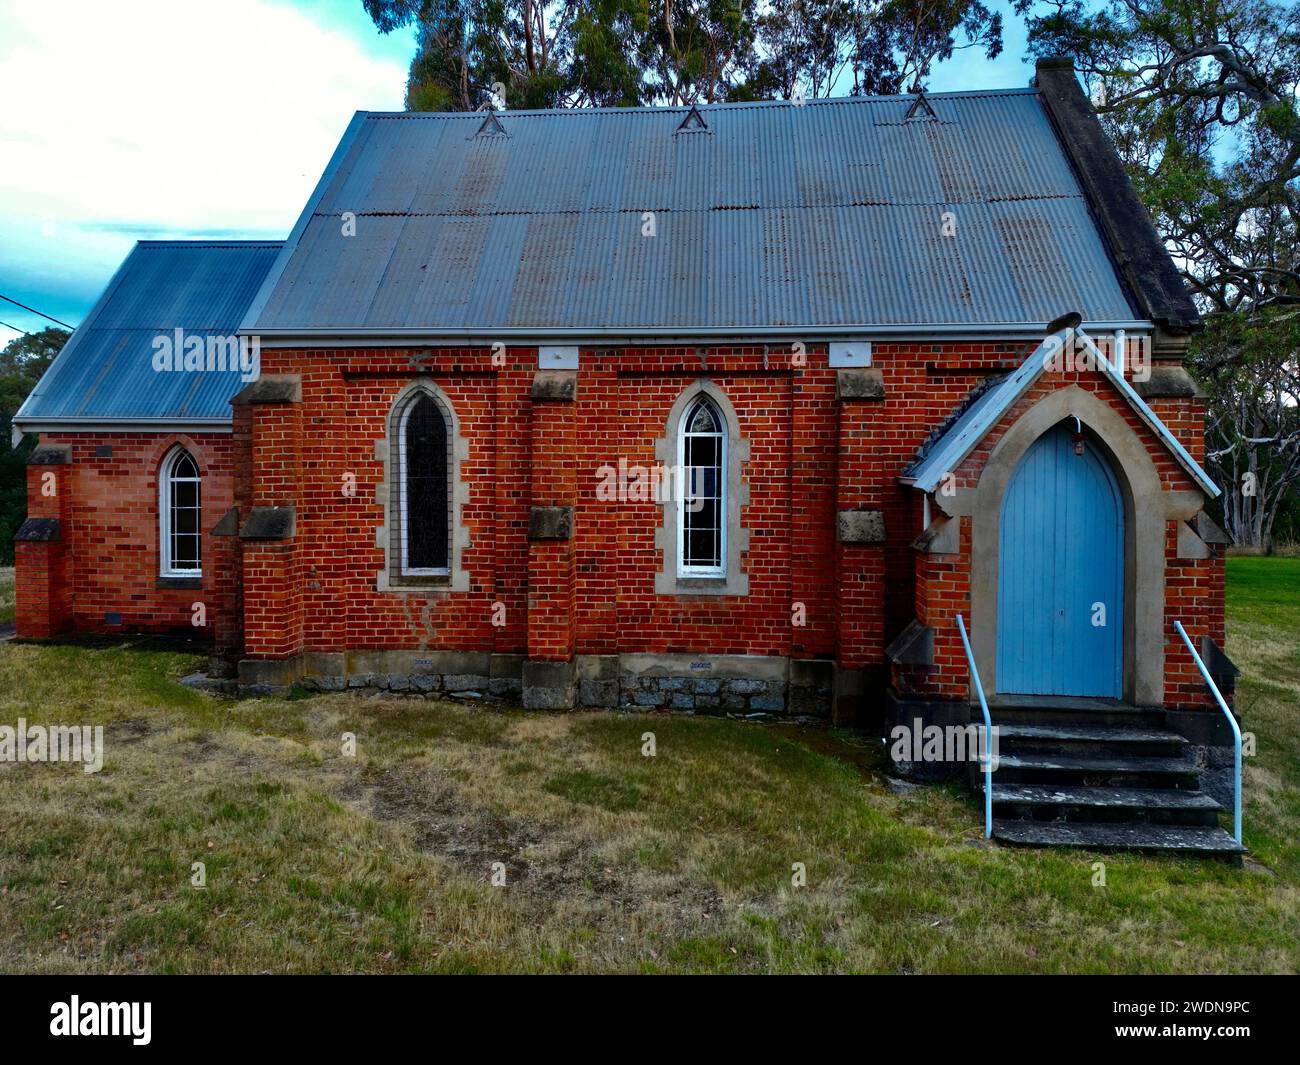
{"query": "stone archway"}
pixel 1149 508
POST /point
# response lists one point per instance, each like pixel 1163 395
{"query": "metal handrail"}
pixel 1236 731
pixel 986 758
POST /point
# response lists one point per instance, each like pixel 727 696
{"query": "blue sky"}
pixel 176 119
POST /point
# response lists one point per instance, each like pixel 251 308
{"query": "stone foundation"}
pixel 907 711
pixel 1211 747
pixel 707 684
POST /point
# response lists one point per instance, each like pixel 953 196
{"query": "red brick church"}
pixel 732 408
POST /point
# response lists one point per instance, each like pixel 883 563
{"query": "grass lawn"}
pixel 6 595
pixel 613 861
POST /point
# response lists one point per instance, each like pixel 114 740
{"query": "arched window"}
pixel 702 512
pixel 423 498
pixel 180 540
pixel 703 541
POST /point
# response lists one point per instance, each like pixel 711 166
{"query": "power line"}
pixel 15 329
pixel 35 311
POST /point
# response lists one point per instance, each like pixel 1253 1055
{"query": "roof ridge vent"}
pixel 920 108
pixel 491 126
pixel 694 122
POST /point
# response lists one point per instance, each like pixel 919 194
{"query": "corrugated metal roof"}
pixel 106 372
pixel 830 213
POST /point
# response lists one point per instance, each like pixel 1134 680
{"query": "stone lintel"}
pixel 914 646
pixel 859 384
pixel 51 455
pixel 228 525
pixel 1168 382
pixel 39 531
pixel 1208 530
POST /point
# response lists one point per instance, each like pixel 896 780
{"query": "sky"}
pixel 188 119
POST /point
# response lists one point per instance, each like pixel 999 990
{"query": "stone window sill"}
pixel 704 586
pixel 420 584
pixel 179 582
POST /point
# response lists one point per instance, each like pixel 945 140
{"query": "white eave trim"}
pixel 122 425
pixel 532 336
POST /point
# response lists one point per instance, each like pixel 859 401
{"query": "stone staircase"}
pixel 1114 778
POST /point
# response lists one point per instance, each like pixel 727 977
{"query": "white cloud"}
pixel 163 118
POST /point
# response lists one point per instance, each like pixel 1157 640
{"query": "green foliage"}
pixel 1201 101
pixel 1248 364
pixel 22 361
pixel 620 53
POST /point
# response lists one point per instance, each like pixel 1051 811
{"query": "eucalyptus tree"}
pixel 1200 98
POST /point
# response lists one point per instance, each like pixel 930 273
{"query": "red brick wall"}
pixel 43 606
pixel 552 602
pixel 648 384
pixel 331 593
pixel 278 576
pixel 789 416
pixel 318 592
pixel 109 506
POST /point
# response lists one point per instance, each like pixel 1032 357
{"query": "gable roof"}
pixel 822 216
pixel 1140 254
pixel 105 371
pixel 985 408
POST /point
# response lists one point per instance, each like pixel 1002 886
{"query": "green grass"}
pixel 7 601
pixel 1263 614
pixel 612 861
pixel 594 789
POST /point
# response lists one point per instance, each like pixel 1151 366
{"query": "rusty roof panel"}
pixel 837 213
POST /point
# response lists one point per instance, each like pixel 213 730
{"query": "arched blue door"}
pixel 1061 573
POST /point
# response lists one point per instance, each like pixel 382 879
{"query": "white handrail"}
pixel 986 758
pixel 1236 731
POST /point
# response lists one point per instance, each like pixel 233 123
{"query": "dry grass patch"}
pixel 613 861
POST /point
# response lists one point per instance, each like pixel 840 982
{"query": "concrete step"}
pixel 1185 839
pixel 1133 770
pixel 1104 798
pixel 1046 802
pixel 1095 741
pixel 1086 712
pixel 1070 733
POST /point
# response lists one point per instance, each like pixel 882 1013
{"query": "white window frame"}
pixel 405 568
pixel 166 479
pixel 718 571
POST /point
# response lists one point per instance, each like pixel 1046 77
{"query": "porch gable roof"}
pixel 945 453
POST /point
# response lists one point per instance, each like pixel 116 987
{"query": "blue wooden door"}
pixel 1061 574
